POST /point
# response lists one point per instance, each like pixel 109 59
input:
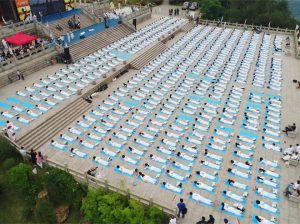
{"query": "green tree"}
pixel 7 151
pixel 211 9
pixel 62 188
pixel 44 212
pixel 102 207
pixel 22 179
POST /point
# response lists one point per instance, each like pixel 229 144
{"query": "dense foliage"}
pixel 97 208
pixel 257 12
pixel 44 212
pixel 62 188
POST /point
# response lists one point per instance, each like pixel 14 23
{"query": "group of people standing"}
pixel 175 11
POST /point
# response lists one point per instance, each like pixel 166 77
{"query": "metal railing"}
pixel 104 183
pixel 141 11
pixel 27 57
pixel 239 25
pixel 12 28
pixel 297 48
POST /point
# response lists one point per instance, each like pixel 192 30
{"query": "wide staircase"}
pixel 53 125
pixel 85 21
pixel 187 27
pixel 147 56
pixel 100 40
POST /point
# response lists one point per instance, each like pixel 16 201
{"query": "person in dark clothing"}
pixel 211 220
pixel 33 156
pixel 181 208
pixel 202 221
pixel 289 128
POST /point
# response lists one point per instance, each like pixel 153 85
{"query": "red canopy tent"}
pixel 20 39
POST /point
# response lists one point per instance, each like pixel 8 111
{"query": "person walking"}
pixel 181 208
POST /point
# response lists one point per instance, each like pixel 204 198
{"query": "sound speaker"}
pixel 67 55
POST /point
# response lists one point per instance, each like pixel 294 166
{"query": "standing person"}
pixel 33 156
pixel 23 153
pixel 181 208
pixel 69 37
pixel 211 220
pixel 39 159
pixel 20 75
pixel 72 35
pixel 172 220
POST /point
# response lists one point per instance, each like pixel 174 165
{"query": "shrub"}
pixel 9 163
pixel 62 188
pixel 44 212
pixel 7 150
pixel 102 207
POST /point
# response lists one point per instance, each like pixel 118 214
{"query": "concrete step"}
pixel 148 56
pixel 44 132
pixel 93 43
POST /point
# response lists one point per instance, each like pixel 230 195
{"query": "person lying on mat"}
pixel 136 151
pixel 207 175
pixel 266 206
pixel 268 172
pixel 199 198
pixel 171 187
pixel 204 186
pixel 265 193
pixel 237 184
pixel 233 210
pixel 159 159
pixel 217 147
pixel 68 138
pixel 263 220
pixel 213 156
pixel 177 176
pixel 78 152
pixel 59 145
pixel 243 155
pixel 24 120
pixel 129 159
pixel 98 159
pixel 236 196
pixel 271 182
pixel 268 162
pixel 246 139
pixel 186 157
pixel 147 178
pixel 126 171
pixel 239 173
pixel 182 166
pixel 110 153
pixel 271 146
pixel 247 165
pixel 211 165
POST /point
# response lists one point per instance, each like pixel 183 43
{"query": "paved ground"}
pixel 290 212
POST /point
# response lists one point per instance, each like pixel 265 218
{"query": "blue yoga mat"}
pixel 86 155
pixel 232 214
pixel 202 203
pixel 256 206
pixel 273 199
pixel 5 105
pixel 118 171
pixel 139 178
pixel 225 196
pixel 164 187
pixel 254 220
pixel 195 186
pixel 99 163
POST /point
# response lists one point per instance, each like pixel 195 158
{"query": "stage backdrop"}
pixel 23 9
pixel 46 7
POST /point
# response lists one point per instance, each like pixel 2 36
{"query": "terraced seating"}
pixel 85 21
pixel 180 108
